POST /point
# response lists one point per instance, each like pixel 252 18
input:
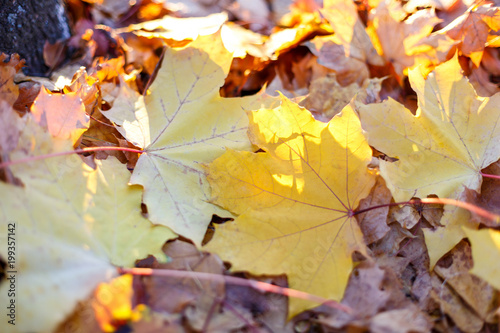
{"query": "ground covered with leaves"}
pixel 263 166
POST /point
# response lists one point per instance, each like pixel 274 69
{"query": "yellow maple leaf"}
pixel 66 228
pixel 441 149
pixel 295 200
pixel 485 245
pixel 180 124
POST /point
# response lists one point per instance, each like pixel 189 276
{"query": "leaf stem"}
pixel 258 285
pixel 444 201
pixel 76 151
pixel 487 175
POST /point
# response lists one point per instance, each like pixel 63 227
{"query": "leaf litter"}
pixel 275 174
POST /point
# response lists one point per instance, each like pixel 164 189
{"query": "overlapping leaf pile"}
pixel 380 102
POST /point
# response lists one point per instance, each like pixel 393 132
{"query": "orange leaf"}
pixel 62 114
pixel 473 29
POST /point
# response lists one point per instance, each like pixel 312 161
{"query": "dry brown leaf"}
pixel 489 197
pixel 331 54
pixel 208 305
pixel 379 304
pixel 391 242
pixel 407 216
pixel 406 41
pixel 473 28
pixel 182 291
pixel 8 69
pixel 400 321
pixel 327 97
pixel 454 271
pixel 373 223
pixel 28 91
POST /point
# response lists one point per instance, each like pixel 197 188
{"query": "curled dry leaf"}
pixel 374 223
pixel 473 29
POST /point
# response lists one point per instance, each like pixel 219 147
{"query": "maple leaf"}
pixel 444 147
pixel 406 41
pixel 69 225
pixel 294 200
pixel 485 245
pixel 349 31
pixel 180 124
pixel 62 114
pixel 349 50
pixel 473 29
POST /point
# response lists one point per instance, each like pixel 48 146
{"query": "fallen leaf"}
pixel 187 291
pixel 73 224
pixel 28 91
pixel 391 241
pixel 480 79
pixel 373 223
pixel 178 29
pixel 350 31
pixel 399 321
pixel 241 42
pixel 473 28
pixel 485 245
pixel 443 5
pixel 379 304
pixel 293 201
pixel 62 114
pixel 450 303
pixel 8 69
pixel 204 304
pixel 406 41
pixel 489 198
pixel 467 299
pixel 441 149
pixel 327 97
pixel 87 88
pixel 478 295
pixel 181 123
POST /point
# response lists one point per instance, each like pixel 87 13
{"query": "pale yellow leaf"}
pixel 181 123
pixel 72 224
pixel 485 245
